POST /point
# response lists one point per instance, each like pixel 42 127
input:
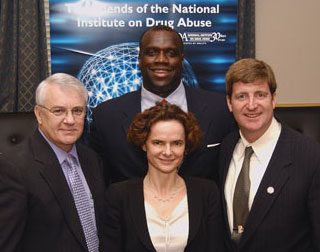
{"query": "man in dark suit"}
pixel 51 189
pixel 161 64
pixel 270 174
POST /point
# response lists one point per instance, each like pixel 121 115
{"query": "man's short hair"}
pixel 64 81
pixel 161 28
pixel 250 70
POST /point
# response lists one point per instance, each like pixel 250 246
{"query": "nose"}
pixel 252 104
pixel 69 117
pixel 162 57
pixel 167 151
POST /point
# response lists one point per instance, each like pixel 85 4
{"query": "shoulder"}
pixel 200 185
pixel 210 96
pixel 210 105
pixel 118 103
pixel 230 138
pixel 125 187
pixel 83 149
pixel 300 143
pixel 90 161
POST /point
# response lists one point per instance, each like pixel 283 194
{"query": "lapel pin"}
pixel 270 190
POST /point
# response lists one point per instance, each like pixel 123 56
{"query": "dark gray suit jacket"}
pixel 37 211
pixel 287 220
pixel 126 227
pixel 111 120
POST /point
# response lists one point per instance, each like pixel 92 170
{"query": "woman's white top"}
pixel 169 235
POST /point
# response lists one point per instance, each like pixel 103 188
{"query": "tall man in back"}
pixel 51 189
pixel 270 174
pixel 161 63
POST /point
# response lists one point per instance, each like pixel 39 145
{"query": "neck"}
pixel 252 136
pixel 163 92
pixel 162 183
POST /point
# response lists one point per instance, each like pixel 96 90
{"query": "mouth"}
pixel 167 161
pixel 68 131
pixel 160 72
pixel 252 115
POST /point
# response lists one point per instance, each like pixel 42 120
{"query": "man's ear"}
pixel 139 61
pixel 144 148
pixel 182 61
pixel 36 111
pixel 229 103
pixel 274 100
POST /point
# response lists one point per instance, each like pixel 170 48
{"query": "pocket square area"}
pixel 212 145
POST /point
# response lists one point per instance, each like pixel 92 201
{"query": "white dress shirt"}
pixel 177 97
pixel 263 149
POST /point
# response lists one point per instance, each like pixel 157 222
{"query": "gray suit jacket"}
pixel 37 211
pixel 287 220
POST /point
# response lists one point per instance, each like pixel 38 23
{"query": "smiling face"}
pixel 165 146
pixel 161 62
pixel 252 105
pixel 63 130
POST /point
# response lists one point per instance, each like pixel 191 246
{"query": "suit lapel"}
pixel 130 109
pixel 275 178
pixel 52 173
pixel 138 214
pixel 225 159
pixel 195 205
pixel 197 107
pixel 89 175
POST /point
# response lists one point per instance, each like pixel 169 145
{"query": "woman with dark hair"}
pixel 163 211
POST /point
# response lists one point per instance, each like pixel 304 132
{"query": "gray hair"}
pixel 64 81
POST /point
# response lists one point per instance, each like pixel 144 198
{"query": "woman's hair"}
pixel 139 129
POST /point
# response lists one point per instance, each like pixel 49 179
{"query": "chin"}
pixel 169 169
pixel 69 140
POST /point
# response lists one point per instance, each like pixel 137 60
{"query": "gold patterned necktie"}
pixel 241 197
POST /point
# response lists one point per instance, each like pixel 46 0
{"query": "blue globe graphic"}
pixel 114 71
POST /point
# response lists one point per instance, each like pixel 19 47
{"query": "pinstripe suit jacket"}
pixel 287 220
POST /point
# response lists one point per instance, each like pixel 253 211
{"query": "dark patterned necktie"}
pixel 81 200
pixel 241 197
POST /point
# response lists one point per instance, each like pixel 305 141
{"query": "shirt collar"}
pixel 263 143
pixel 61 154
pixel 177 97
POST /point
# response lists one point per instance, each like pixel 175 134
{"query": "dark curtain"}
pixel 23 53
pixel 245 47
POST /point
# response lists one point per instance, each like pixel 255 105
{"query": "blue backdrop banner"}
pixel 97 41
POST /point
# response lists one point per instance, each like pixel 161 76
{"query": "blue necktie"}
pixel 81 200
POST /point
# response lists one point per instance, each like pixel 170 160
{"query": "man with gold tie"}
pixel 269 173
